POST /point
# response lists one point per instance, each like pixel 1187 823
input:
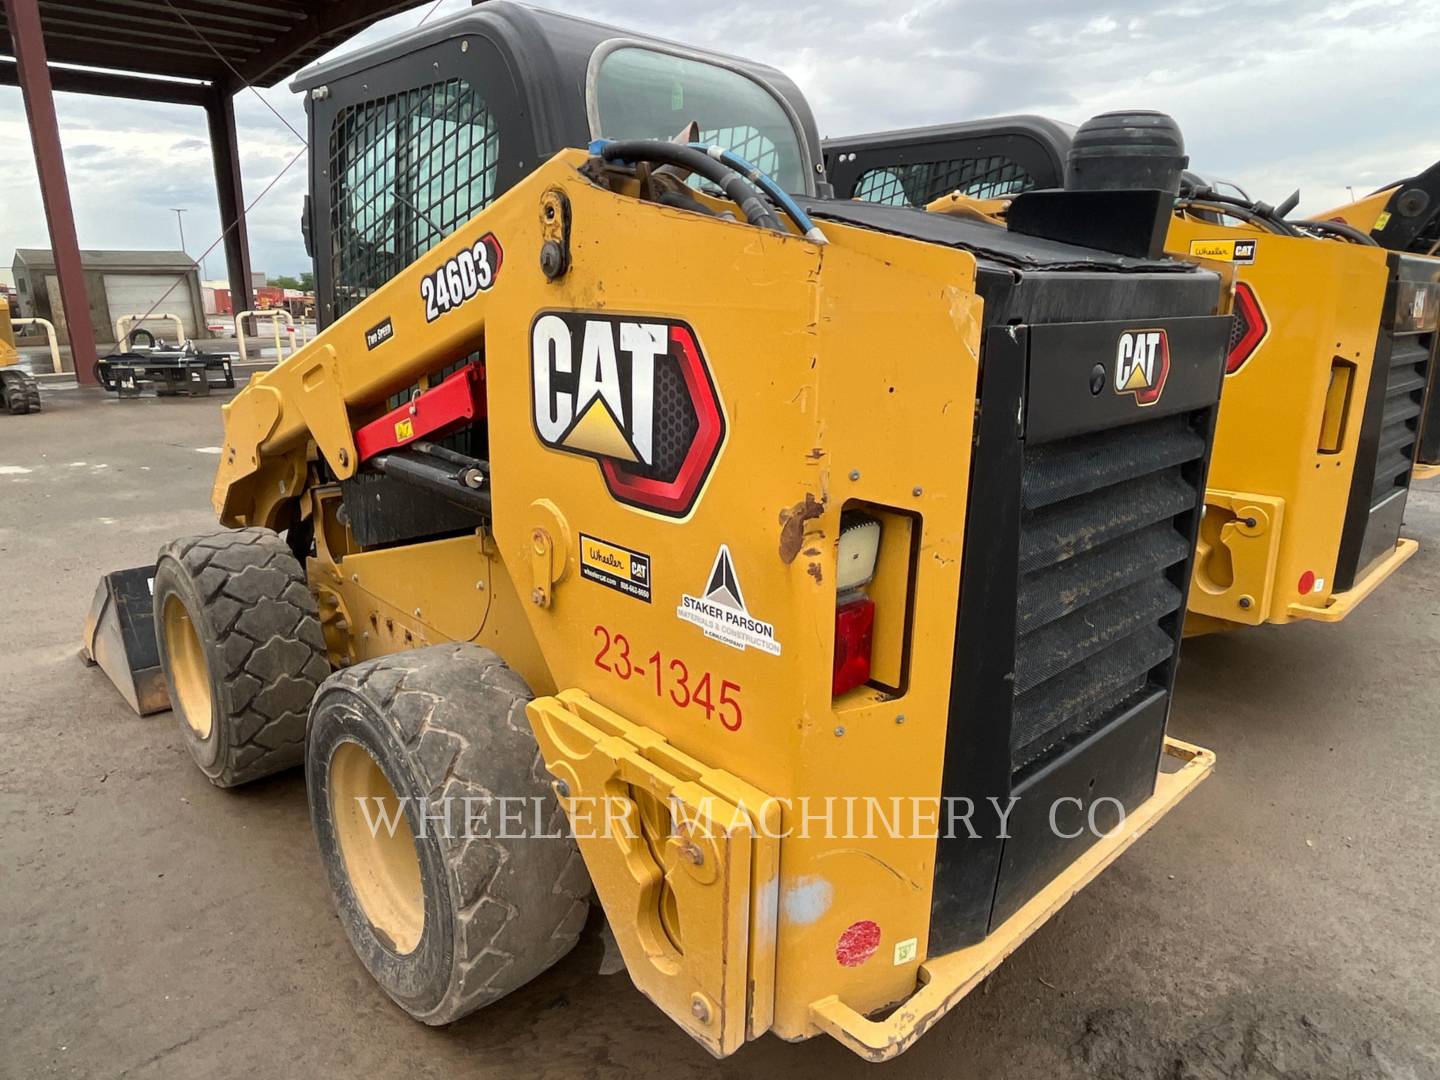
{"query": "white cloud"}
pixel 1273 94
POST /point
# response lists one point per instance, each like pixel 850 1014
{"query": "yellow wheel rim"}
pixel 377 847
pixel 188 669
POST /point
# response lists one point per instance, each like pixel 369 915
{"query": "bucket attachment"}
pixel 120 637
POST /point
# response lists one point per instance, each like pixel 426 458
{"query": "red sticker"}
pixel 858 943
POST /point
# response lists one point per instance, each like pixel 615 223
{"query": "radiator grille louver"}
pixel 1400 423
pixel 1099 541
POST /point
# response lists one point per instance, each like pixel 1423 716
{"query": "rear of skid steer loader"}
pixel 835 556
pixel 1405 217
pixel 1326 378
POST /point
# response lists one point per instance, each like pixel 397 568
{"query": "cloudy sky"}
pixel 1272 94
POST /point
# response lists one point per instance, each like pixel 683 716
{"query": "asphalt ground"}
pixel 1281 923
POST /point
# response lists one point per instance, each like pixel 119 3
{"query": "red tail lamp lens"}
pixel 854 626
pixel 1248 328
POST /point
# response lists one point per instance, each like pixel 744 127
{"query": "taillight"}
pixel 1249 328
pixel 854 611
pixel 854 626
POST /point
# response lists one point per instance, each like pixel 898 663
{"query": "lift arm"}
pixel 430 314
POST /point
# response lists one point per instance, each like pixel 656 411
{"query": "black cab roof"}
pixel 553 59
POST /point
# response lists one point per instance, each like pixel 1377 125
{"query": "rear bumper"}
pixel 1424 471
pixel 947 979
pixel 1341 604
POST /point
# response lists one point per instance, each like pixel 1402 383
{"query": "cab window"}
pixel 644 94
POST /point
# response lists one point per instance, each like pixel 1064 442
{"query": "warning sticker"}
pixel 615 567
pixel 722 613
pixel 1236 251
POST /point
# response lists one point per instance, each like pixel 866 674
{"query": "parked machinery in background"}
pixel 171 370
pixel 1327 376
pixel 19 392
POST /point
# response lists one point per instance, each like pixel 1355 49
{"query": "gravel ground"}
pixel 1279 924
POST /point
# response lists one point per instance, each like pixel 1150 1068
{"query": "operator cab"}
pixel 423 132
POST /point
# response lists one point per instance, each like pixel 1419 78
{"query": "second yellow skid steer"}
pixel 1328 368
pixel 811 588
pixel 1405 216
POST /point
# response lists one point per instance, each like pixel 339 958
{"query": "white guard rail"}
pixel 274 315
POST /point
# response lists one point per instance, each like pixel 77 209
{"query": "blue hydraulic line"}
pixel 743 169
pixel 769 187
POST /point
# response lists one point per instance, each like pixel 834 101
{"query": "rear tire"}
pixel 242 651
pixel 446 919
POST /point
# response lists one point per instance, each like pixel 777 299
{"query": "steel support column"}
pixel 225 150
pixel 23 18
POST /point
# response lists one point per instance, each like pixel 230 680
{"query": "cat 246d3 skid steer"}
pixel 657 534
pixel 1326 393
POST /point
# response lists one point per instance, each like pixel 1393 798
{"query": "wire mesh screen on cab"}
pixel 406 170
pixel 924 182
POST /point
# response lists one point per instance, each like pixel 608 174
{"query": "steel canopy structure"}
pixel 191 52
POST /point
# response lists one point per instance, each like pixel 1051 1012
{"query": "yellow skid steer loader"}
pixel 808 583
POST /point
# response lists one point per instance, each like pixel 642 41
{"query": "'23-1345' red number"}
pixel 671 678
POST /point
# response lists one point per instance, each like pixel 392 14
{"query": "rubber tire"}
pixel 448 721
pixel 259 629
pixel 21 393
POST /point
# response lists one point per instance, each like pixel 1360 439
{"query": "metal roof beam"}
pixel 106 16
pixel 107 84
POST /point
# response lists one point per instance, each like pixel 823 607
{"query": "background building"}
pixel 117 283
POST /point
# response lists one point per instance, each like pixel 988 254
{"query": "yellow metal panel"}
pixel 677 890
pixel 1275 438
pixel 1235 556
pixel 1364 214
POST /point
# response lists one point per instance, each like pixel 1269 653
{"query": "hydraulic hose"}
pixel 1244 213
pixel 736 188
pixel 1340 229
pixel 777 194
pixel 1270 217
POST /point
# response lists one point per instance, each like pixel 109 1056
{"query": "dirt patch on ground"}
pixel 1244 1041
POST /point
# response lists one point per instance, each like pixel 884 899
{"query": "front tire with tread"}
pixel 249 651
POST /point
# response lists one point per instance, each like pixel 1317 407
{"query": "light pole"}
pixel 179 221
